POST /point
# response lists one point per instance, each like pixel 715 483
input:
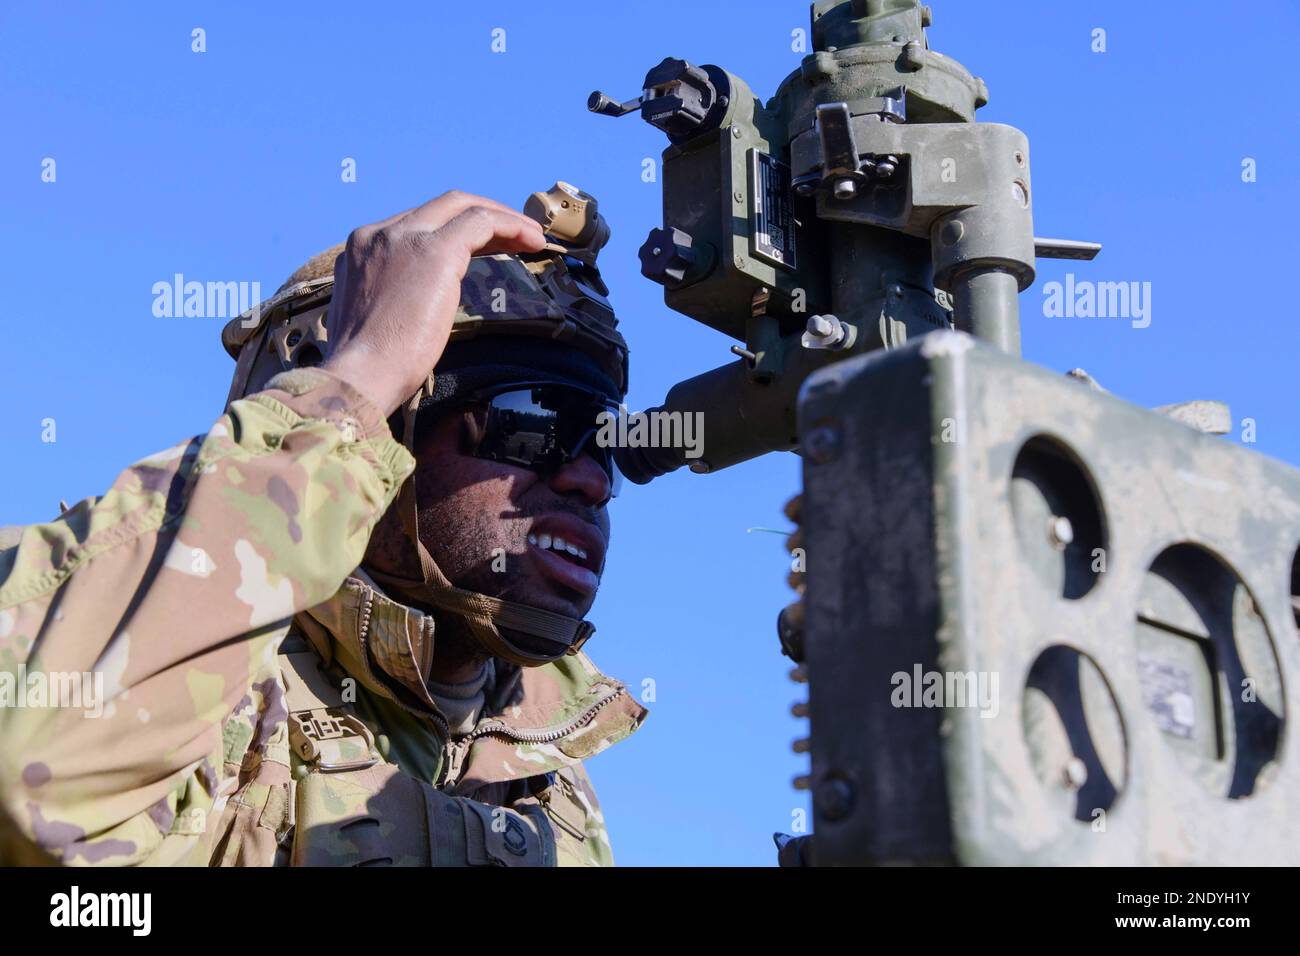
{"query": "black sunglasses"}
pixel 541 426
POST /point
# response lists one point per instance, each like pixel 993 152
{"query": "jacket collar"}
pixel 536 719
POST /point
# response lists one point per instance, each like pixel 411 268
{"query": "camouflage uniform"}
pixel 264 700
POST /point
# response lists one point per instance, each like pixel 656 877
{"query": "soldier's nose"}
pixel 584 477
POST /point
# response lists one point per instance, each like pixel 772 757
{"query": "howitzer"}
pixel 1038 624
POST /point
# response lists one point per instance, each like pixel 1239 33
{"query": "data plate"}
pixel 773 215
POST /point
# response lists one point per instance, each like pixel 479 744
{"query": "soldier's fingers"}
pixel 480 229
pixel 392 220
pixel 495 246
pixel 432 215
pixel 361 238
pixel 529 237
pixel 437 212
pixel 366 233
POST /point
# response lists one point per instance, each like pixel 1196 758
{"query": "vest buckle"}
pixel 332 740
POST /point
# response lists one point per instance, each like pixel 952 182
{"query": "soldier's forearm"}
pixel 167 592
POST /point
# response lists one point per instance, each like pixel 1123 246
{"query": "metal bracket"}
pixel 839 146
pixel 842 162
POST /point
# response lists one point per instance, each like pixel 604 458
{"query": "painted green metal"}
pixel 863 189
pixel 957 498
pixel 1145 651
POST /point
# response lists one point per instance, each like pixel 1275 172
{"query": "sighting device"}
pixel 1125 580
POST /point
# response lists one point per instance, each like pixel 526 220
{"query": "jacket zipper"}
pixel 443 777
pixel 541 737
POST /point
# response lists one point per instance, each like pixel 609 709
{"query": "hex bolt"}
pixel 833 798
pixel 826 332
pixel 845 189
pixel 1060 532
pixel 822 444
pixel 820 326
pixel 790 631
pixel 914 55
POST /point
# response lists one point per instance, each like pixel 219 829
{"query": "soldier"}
pixel 294 672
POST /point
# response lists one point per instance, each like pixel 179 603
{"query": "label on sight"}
pixel 772 212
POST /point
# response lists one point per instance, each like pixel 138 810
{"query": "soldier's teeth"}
pixel 557 544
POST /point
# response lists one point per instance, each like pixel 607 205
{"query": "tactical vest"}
pixel 322 793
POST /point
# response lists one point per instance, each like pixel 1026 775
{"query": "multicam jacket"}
pixel 262 701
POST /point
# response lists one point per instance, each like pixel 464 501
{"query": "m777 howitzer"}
pixel 1039 625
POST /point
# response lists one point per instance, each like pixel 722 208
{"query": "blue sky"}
pixel 225 166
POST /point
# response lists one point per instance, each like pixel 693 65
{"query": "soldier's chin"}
pixel 550 596
pixel 534 589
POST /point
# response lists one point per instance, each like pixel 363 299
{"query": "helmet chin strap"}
pixel 486 616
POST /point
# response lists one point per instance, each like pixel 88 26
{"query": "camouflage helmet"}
pixel 555 295
pixel 543 316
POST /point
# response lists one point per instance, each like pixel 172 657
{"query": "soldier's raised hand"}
pixel 397 286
